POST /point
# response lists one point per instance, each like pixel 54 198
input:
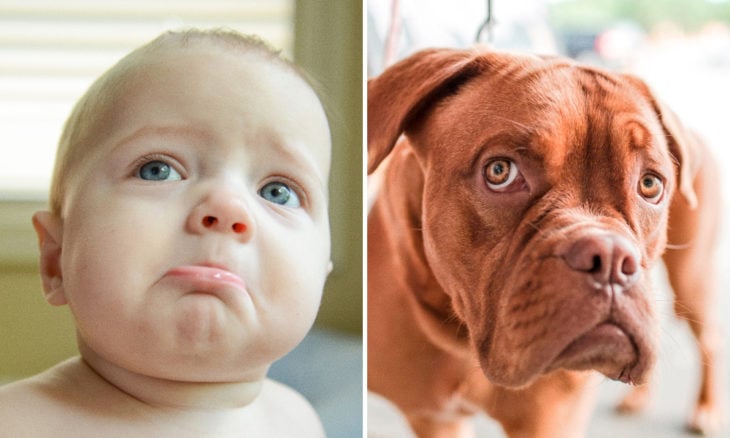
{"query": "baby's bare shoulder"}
pixel 30 407
pixel 39 391
pixel 290 411
pixel 52 403
pixel 15 395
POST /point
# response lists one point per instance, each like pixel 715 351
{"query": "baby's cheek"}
pixel 295 286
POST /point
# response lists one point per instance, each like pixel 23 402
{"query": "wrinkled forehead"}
pixel 547 106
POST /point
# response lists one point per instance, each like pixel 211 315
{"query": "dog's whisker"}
pixel 678 246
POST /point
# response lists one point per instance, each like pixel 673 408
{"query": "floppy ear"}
pixel 49 229
pixel 404 89
pixel 683 143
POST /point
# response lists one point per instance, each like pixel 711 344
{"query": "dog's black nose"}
pixel 611 259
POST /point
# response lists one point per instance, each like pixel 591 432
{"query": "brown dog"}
pixel 510 244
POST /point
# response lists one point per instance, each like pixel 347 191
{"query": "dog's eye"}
pixel 651 188
pixel 500 173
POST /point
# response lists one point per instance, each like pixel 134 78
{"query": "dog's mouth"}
pixel 556 315
pixel 606 348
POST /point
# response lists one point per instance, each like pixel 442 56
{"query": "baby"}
pixel 188 235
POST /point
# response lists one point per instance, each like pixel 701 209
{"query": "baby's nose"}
pixel 221 212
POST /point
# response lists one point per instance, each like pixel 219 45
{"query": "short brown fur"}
pixel 482 300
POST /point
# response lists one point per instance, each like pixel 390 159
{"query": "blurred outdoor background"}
pixel 682 49
pixel 51 51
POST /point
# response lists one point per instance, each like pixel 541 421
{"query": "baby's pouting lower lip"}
pixel 206 276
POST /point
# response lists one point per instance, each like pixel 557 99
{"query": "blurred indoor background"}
pixel 51 51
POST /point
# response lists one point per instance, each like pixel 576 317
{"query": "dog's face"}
pixel 545 202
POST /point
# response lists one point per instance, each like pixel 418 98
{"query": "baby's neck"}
pixel 178 395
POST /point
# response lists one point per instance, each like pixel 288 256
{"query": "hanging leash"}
pixel 487 25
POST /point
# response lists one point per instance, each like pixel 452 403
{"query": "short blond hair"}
pixel 77 137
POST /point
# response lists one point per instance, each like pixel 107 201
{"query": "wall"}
pixel 33 334
pixel 328 44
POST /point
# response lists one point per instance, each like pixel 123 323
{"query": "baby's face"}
pixel 196 238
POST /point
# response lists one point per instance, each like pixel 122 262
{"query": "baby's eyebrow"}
pixel 294 154
pixel 161 131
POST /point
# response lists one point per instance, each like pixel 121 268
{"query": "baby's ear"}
pixel 49 228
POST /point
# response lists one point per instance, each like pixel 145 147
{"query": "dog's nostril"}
pixel 607 258
pixel 597 265
pixel 589 254
pixel 629 266
pixel 209 221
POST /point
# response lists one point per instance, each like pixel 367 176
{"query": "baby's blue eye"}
pixel 280 193
pixel 158 171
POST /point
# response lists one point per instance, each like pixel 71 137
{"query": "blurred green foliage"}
pixel 688 15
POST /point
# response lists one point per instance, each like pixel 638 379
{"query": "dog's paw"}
pixel 635 401
pixel 708 420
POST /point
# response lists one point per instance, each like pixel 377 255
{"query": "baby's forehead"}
pixel 162 60
pixel 224 74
